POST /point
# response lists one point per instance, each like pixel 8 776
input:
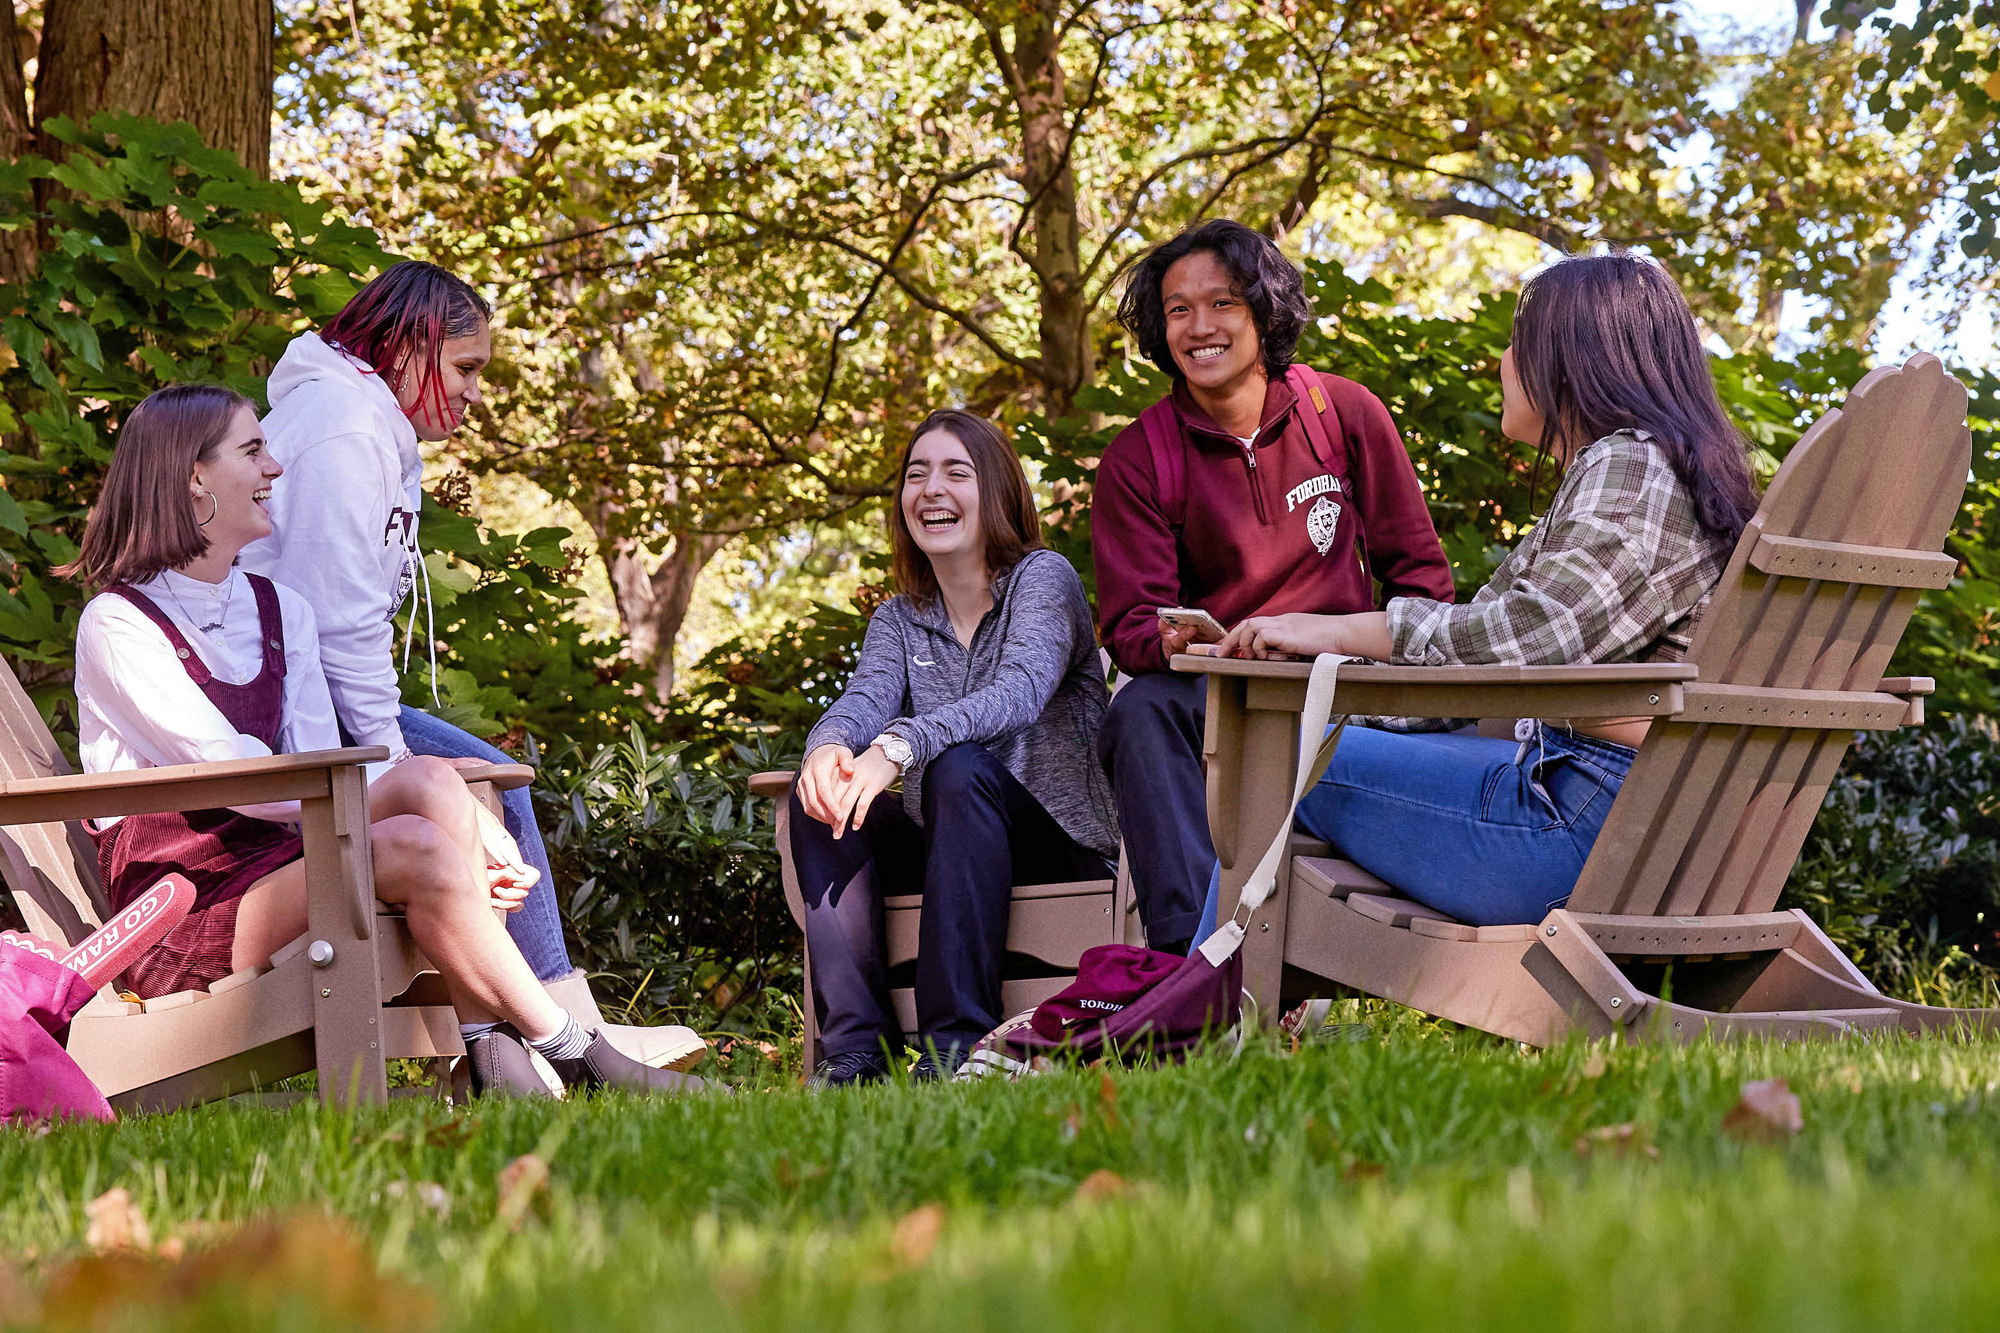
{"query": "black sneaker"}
pixel 850 1069
pixel 939 1066
pixel 603 1065
pixel 498 1066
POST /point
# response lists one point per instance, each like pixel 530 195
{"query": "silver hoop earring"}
pixel 213 505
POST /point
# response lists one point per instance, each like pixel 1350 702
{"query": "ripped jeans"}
pixel 1490 832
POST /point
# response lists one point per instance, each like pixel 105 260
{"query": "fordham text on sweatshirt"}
pixel 1270 527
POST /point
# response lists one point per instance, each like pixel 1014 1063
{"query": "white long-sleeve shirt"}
pixel 344 519
pixel 137 707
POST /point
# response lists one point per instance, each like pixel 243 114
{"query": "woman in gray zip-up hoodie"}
pixel 981 687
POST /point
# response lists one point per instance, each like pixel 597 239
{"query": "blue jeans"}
pixel 1483 830
pixel 537 928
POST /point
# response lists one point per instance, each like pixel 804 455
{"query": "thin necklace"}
pixel 220 616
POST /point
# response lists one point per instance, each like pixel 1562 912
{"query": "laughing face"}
pixel 1210 330
pixel 940 498
pixel 436 410
pixel 237 479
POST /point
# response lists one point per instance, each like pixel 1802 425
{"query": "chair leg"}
pixel 806 1009
pixel 340 915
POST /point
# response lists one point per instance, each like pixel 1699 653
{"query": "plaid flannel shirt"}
pixel 1617 569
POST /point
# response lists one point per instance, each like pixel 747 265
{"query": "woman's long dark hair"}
pixel 399 322
pixel 1604 343
pixel 1006 506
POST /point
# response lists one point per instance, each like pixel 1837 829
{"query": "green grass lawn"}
pixel 1418 1179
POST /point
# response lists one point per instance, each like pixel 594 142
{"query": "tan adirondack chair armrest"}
pixel 776 784
pixel 282 777
pixel 1911 690
pixel 506 777
pixel 1618 689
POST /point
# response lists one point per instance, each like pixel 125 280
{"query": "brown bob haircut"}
pixel 144 520
pixel 1006 506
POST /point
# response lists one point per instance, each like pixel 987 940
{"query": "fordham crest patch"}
pixel 1321 521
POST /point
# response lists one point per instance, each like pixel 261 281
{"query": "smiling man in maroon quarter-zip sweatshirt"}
pixel 1231 507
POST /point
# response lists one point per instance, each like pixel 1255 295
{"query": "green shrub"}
pixel 670 881
pixel 511 660
pixel 1903 864
pixel 165 261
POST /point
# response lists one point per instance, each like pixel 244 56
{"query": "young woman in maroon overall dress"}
pixel 184 494
pixel 222 852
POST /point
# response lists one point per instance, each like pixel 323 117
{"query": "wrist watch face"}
pixel 897 749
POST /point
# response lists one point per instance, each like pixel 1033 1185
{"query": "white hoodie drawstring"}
pixel 415 553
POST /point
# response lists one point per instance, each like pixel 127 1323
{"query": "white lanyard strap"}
pixel 1314 740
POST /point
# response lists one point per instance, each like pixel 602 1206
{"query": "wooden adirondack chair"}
pixel 1672 931
pixel 348 995
pixel 1047 931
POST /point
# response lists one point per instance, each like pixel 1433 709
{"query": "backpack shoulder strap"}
pixel 1312 409
pixel 1168 447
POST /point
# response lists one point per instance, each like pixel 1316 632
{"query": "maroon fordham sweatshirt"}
pixel 1269 530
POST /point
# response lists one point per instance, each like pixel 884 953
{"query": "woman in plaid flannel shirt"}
pixel 1608 377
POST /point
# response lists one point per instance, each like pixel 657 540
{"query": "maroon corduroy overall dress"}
pixel 222 852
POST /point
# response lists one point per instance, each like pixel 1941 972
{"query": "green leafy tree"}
pixel 1942 67
pixel 741 250
pixel 168 261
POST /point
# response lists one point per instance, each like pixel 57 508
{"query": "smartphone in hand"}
pixel 1197 624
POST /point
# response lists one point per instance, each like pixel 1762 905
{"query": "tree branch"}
pixel 1546 230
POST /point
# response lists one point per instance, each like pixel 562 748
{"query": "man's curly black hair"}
pixel 1258 272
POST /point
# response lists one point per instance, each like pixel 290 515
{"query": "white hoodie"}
pixel 345 520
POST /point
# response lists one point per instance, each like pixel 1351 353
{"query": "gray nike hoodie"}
pixel 1030 689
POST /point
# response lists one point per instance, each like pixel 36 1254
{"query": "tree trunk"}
pixel 207 62
pixel 1055 239
pixel 651 604
pixel 17 139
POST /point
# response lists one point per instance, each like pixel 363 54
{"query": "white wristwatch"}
pixel 895 749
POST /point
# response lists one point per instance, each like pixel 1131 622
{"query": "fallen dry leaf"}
pixel 736 1285
pixel 116 1223
pixel 18 1306
pixel 451 1132
pixel 1768 1112
pixel 259 1277
pixel 171 1250
pixel 791 1177
pixel 520 1181
pixel 1848 1077
pixel 1107 1102
pixel 1100 1185
pixel 1595 1064
pixel 1360 1169
pixel 916 1235
pixel 1617 1140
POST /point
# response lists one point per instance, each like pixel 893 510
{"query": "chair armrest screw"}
pixel 320 953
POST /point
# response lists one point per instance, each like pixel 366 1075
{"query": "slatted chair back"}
pixel 1793 643
pixel 50 868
